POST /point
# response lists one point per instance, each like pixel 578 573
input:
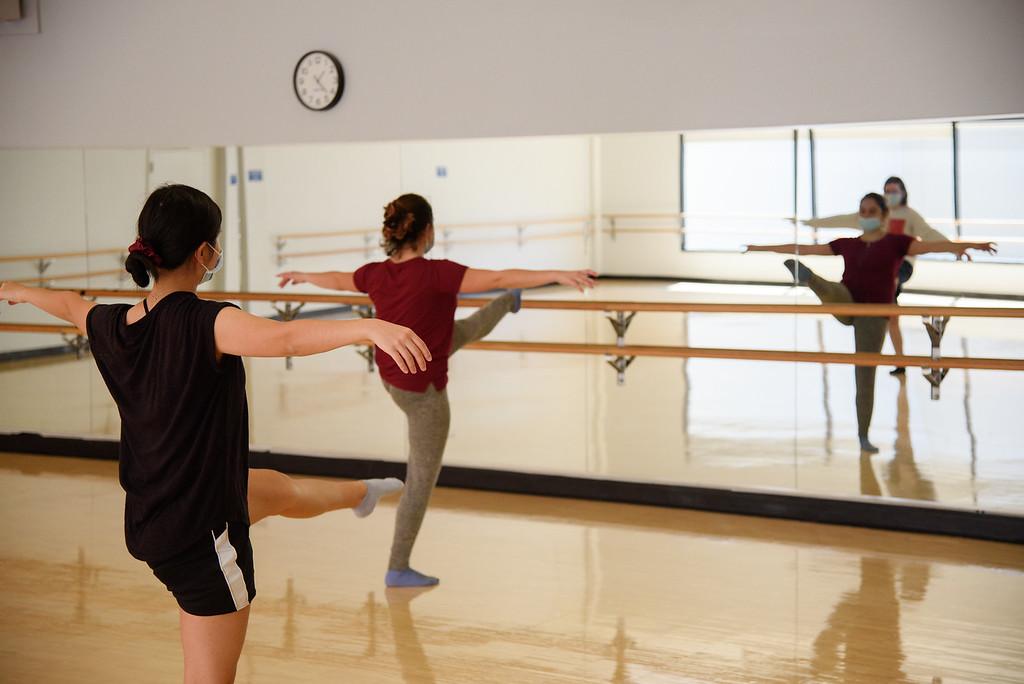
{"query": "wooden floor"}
pixel 533 590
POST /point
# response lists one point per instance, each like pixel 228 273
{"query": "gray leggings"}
pixel 429 416
pixel 868 336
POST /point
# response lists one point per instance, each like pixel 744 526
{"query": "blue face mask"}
pixel 894 199
pixel 208 276
pixel 869 224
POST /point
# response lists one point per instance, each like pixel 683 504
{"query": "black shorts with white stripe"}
pixel 213 576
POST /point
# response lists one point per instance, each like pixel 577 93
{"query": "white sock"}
pixel 375 489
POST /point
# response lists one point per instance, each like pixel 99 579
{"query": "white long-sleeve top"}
pixel 902 221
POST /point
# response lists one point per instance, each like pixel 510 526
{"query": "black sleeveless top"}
pixel 184 422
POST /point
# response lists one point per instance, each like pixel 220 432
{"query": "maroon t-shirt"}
pixel 872 267
pixel 421 294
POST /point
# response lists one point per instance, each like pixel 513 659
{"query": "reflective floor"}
pixel 738 424
pixel 533 590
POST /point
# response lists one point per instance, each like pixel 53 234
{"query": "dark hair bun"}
pixel 140 267
pixel 405 220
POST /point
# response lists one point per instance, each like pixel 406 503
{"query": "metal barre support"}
pixel 279 245
pixel 366 351
pixel 41 266
pixel 620 364
pixel 78 344
pixel 936 327
pixel 620 322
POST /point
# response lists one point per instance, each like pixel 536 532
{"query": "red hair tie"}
pixel 140 247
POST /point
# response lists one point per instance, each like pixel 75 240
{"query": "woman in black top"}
pixel 172 364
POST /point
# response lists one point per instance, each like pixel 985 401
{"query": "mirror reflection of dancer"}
pixel 421 293
pixel 869 277
pixel 173 365
pixel 902 221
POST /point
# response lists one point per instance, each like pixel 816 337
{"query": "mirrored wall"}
pixel 665 216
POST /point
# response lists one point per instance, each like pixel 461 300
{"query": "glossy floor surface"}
pixel 533 590
pixel 738 424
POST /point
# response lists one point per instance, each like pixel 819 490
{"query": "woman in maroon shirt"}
pixel 423 294
pixel 871 266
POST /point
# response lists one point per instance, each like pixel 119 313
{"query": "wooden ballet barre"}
pixel 858 359
pixel 881 310
pixel 511 223
pixel 50 328
pixel 72 276
pixel 790 219
pixel 935 318
pixel 60 255
pixel 444 244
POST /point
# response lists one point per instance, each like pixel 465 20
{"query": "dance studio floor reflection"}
pixel 738 424
pixel 533 590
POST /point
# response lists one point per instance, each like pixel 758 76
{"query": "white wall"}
pixel 129 73
pixel 344 186
pixel 60 201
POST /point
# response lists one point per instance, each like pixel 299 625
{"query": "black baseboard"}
pixel 872 514
pixel 41 352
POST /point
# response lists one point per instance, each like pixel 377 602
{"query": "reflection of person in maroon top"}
pixel 871 267
pixel 872 262
pixel 423 294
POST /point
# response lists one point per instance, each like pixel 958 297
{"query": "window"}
pixel 991 185
pixel 738 187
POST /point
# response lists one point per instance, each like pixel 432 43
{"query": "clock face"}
pixel 318 80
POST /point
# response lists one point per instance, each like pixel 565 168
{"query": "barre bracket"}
pixel 77 343
pixel 41 266
pixel 366 351
pixel 279 244
pixel 936 327
pixel 620 322
pixel 620 364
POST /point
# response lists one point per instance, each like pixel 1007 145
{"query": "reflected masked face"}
pixel 893 195
pixel 871 215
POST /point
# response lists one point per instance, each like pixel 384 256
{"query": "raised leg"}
pixel 274 493
pixel 828 292
pixel 831 293
pixel 482 322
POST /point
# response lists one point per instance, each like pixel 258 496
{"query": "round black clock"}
pixel 318 80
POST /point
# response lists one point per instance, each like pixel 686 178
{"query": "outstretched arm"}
pixel 328 280
pixel 957 248
pixel 241 334
pixel 920 228
pixel 819 250
pixel 838 221
pixel 480 280
pixel 67 306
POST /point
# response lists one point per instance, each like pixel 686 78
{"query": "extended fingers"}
pixel 422 346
